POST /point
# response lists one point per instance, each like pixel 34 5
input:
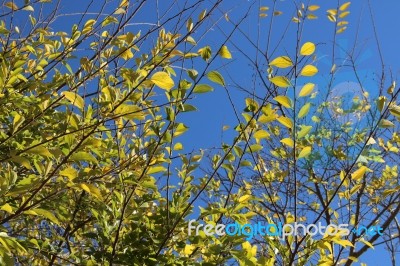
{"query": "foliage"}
pixel 93 166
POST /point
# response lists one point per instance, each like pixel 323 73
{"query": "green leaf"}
pixel 280 81
pixel 216 77
pixel 202 88
pixel 162 80
pixel 74 98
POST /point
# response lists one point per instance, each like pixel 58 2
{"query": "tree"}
pixel 93 166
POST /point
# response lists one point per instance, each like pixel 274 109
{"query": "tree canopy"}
pixel 96 107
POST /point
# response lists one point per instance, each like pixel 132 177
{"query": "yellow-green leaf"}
pixel 202 88
pixel 304 131
pixel 309 70
pixel 74 98
pixel 92 190
pixel 40 150
pixel 69 172
pixel 45 213
pixel 280 81
pixel 244 198
pixel 304 110
pixel 307 49
pixel 286 121
pixel 224 52
pixel 306 90
pixel 304 152
pixel 282 62
pixel 83 157
pixel 216 77
pixel 162 80
pixel 284 100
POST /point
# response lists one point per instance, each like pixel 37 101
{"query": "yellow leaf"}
pixel 309 70
pixel 343 242
pixel 74 98
pixel 282 62
pixel 124 3
pixel 304 110
pixel 284 100
pixel 261 134
pixel 287 122
pixel 288 141
pixel 244 198
pixel 307 89
pixel 307 49
pixel 304 152
pixel 332 18
pixel 6 207
pixel 92 190
pixel 178 146
pixel 344 14
pixel 162 80
pixel 224 52
pixel 313 7
pixel 344 6
pixel 280 81
pixel 11 5
pixel 341 30
pixel 359 173
pixel 189 249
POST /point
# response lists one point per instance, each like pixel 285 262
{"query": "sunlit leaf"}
pixel 307 49
pixel 306 90
pixel 309 70
pixel 281 62
pixel 216 77
pixel 280 81
pixel 162 80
